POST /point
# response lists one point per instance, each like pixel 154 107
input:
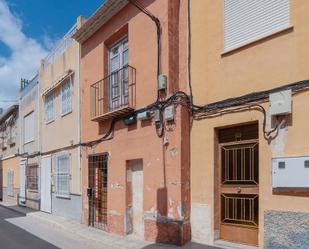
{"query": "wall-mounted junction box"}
pixel 169 113
pixel 290 172
pixel 162 82
pixel 144 115
pixel 280 103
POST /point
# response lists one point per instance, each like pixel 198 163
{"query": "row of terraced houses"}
pixel 173 120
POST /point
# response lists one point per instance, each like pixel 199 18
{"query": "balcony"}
pixel 114 96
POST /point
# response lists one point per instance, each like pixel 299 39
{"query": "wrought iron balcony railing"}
pixel 114 95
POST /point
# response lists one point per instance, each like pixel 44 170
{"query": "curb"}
pixel 13 209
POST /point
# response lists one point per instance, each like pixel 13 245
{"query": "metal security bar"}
pixel 239 209
pixel 32 177
pixel 97 191
pixel 240 163
pixel 116 92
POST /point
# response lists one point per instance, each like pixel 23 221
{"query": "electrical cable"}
pixel 157 22
pixel 189 50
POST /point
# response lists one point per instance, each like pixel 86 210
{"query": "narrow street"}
pixel 13 237
pixel 39 230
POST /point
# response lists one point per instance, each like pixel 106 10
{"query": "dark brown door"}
pixel 239 185
pixel 97 191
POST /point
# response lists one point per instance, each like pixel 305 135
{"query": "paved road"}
pixel 13 237
pixel 43 234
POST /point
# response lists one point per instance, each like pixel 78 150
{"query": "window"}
pixel 10 189
pixel 32 177
pixel 49 108
pixel 29 128
pixel 248 20
pixel 63 175
pixel 66 97
pixel 118 70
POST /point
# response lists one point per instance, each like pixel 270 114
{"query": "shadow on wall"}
pixel 169 232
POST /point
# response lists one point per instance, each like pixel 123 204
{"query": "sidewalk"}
pixel 59 230
pixel 19 209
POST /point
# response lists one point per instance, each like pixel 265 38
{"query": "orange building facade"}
pixel 135 156
pixel 248 165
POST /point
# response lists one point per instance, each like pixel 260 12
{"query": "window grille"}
pixel 29 129
pixel 63 175
pixel 32 177
pixel 66 97
pixel 49 108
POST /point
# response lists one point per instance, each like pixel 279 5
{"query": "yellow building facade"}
pixel 10 170
pixel 230 60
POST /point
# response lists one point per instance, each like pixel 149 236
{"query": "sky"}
pixel 28 31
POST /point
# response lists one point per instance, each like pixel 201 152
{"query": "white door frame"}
pixel 46 198
pixel 22 181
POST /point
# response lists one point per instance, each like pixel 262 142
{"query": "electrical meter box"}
pixel 169 113
pixel 162 82
pixel 280 103
pixel 290 172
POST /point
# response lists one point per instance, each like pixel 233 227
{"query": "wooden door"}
pixel 239 186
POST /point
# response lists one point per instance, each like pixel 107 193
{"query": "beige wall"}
pixel 11 164
pixel 74 169
pixel 5 134
pixel 64 127
pixel 29 103
pixel 64 130
pixel 274 61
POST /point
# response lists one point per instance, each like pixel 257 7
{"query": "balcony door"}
pixel 118 71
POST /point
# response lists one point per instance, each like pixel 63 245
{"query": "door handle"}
pixel 238 190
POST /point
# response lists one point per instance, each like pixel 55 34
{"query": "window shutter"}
pixel 248 20
pixel 29 129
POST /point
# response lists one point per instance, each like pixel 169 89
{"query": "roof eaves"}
pixel 102 15
pixel 8 112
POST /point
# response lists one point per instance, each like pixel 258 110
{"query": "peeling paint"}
pixel 114 213
pixel 117 186
pixel 174 152
pixel 181 209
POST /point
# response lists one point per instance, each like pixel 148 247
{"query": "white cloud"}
pixel 24 58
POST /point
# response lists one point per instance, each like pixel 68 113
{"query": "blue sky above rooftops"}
pixel 28 30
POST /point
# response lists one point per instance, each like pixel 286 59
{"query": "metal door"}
pixel 239 188
pixel 46 184
pixel 97 191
